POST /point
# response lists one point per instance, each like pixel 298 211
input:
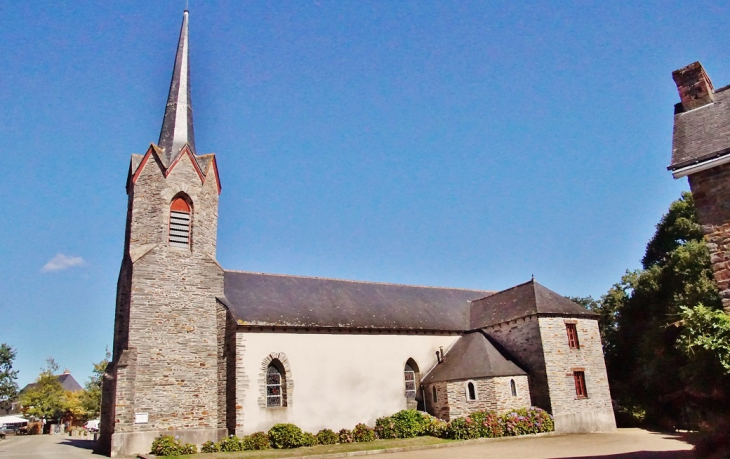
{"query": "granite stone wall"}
pixel 711 192
pixel 492 394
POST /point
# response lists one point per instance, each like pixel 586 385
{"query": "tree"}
pixel 46 399
pixel 91 397
pixel 8 376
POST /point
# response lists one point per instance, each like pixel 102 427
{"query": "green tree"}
pixel 91 397
pixel 641 318
pixel 8 376
pixel 46 399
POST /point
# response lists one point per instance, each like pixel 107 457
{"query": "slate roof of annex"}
pixel 703 133
pixel 259 299
pixel 473 356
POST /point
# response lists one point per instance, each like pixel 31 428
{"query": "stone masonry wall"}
pixel 521 338
pixel 440 406
pixel 560 363
pixel 493 394
pixel 711 192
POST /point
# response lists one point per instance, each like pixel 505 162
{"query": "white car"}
pixel 92 426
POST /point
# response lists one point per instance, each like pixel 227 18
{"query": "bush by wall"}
pixel 403 424
pixel 327 437
pixel 256 441
pixel 308 439
pixel 230 444
pixel 346 436
pixel 285 436
pixel 363 433
pixel 167 445
pixel 210 447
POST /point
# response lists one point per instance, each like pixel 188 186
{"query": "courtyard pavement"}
pixel 622 444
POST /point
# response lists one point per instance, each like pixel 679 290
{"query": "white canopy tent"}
pixel 11 420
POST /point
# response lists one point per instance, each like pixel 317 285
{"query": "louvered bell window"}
pixel 180 223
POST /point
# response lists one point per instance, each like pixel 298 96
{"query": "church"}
pixel 202 352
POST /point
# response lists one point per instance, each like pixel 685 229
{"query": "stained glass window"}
pixel 273 387
pixel 410 377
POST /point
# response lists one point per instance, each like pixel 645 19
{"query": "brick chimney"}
pixel 694 86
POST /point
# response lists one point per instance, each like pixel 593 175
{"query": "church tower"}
pixel 167 373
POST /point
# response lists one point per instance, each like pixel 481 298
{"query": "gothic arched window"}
pixel 410 378
pixel 513 387
pixel 471 391
pixel 433 392
pixel 180 217
pixel 275 385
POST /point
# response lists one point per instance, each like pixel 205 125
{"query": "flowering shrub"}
pixel 363 433
pixel 308 439
pixel 385 427
pixel 527 421
pixel 210 447
pixel 230 444
pixel 255 441
pixel 488 424
pixel 403 424
pixel 435 427
pixel 327 437
pixel 462 429
pixel 285 436
pixel 167 445
pixel 346 436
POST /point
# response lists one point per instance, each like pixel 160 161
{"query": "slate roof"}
pixel 473 356
pixel 68 382
pixel 269 299
pixel 293 301
pixel 522 300
pixel 703 133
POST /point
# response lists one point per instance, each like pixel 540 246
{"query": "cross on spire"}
pixel 177 124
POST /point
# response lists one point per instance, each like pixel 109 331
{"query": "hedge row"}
pixel 403 424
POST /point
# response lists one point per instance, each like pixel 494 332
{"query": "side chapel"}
pixel 203 352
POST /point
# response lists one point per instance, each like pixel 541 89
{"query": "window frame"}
pixel 409 371
pixel 434 396
pixel 579 378
pixel 468 393
pixel 513 387
pixel 269 395
pixel 572 331
pixel 179 211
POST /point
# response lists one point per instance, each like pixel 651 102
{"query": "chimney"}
pixel 694 86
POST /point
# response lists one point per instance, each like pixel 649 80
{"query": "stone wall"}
pixel 573 413
pixel 439 406
pixel 492 394
pixel 521 339
pixel 711 192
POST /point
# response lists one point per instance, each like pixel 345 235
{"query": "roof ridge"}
pixel 505 290
pixel 357 281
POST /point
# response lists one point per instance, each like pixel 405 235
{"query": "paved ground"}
pixel 623 444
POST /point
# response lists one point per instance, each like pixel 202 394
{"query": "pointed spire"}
pixel 177 125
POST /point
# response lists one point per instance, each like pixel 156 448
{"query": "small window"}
pixel 275 396
pixel 572 336
pixel 513 387
pixel 180 223
pixel 580 384
pixel 410 378
pixel 433 392
pixel 471 391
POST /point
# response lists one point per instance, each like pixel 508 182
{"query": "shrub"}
pixel 327 437
pixel 363 433
pixel 487 423
pixel 346 436
pixel 409 423
pixel 308 439
pixel 256 441
pixel 436 427
pixel 462 429
pixel 210 447
pixel 167 445
pixel 285 436
pixel 385 427
pixel 527 421
pixel 230 444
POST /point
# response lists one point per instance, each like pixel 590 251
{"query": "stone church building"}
pixel 202 352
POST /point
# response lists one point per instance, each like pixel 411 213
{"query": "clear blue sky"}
pixel 465 144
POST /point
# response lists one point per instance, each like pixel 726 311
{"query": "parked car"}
pixel 92 425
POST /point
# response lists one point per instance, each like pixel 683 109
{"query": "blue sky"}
pixel 465 144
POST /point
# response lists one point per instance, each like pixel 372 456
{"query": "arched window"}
pixel 275 385
pixel 433 392
pixel 513 387
pixel 471 391
pixel 410 378
pixel 180 223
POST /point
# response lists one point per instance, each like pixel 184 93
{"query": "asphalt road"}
pixel 622 444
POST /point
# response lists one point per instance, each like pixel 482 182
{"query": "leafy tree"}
pixel 8 376
pixel 91 397
pixel 45 399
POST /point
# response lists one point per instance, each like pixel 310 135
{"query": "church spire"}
pixel 177 125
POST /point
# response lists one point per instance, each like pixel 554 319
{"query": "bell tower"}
pixel 167 373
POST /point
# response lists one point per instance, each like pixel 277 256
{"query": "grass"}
pixel 323 449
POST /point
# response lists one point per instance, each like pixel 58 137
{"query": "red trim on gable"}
pixel 142 164
pixel 186 149
pixel 217 177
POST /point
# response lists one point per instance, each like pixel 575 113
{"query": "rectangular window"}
pixel 572 336
pixel 580 384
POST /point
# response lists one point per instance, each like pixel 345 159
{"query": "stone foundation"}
pixel 585 421
pixel 133 443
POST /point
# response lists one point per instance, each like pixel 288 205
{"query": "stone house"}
pixel 202 352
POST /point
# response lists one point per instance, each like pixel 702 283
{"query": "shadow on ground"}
pixel 678 454
pixel 79 443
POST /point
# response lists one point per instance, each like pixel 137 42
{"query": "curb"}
pixel 402 449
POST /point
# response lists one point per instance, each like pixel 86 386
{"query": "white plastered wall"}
pixel 339 379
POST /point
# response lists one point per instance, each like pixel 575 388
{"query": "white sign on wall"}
pixel 141 418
